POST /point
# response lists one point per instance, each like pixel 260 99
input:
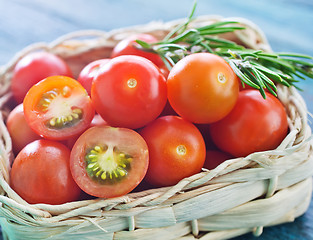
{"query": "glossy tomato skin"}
pixel 120 147
pixel 89 72
pixel 129 46
pixel 202 88
pixel 58 108
pixel 20 132
pixel 176 150
pixel 33 68
pixel 255 124
pixel 41 174
pixel 129 91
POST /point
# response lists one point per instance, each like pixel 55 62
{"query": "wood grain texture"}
pixel 286 23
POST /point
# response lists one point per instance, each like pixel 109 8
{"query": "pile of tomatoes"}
pixel 128 120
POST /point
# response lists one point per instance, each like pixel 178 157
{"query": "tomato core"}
pixel 59 112
pixel 132 83
pixel 107 164
pixel 181 150
pixel 221 78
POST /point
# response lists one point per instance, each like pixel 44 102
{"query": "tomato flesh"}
pixel 109 162
pixel 58 108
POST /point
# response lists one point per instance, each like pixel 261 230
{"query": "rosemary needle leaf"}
pixel 183 36
pixel 219 30
pixel 270 89
pixel 169 47
pixel 217 24
pixel 280 62
pixel 297 55
pixel 244 79
pixel 143 44
pixel 206 47
pixel 182 27
pixel 271 74
pixel 222 41
pixel 304 72
pixel 267 80
pixel 255 76
pixel 296 61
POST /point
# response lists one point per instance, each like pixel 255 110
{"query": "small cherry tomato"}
pixel 41 174
pixel 129 46
pixel 255 124
pixel 202 88
pixel 109 162
pixel 58 108
pixel 20 132
pixel 129 91
pixel 176 150
pixel 89 72
pixel 33 68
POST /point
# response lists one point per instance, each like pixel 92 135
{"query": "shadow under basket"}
pixel 239 196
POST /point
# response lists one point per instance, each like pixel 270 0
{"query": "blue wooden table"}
pixel 286 23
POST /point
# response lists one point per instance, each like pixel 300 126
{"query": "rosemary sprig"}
pixel 255 68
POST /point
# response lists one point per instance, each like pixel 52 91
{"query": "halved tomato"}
pixel 109 162
pixel 58 108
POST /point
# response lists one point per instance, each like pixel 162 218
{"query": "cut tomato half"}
pixel 109 162
pixel 58 108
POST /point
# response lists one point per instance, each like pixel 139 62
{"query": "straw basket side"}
pixel 241 195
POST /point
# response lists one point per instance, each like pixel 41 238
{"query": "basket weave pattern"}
pixel 239 196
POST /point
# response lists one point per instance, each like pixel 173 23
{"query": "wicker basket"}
pixel 239 196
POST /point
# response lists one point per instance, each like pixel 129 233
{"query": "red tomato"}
pixel 255 124
pixel 129 46
pixel 129 91
pixel 20 132
pixel 202 88
pixel 58 108
pixel 33 68
pixel 109 162
pixel 214 158
pixel 89 72
pixel 176 150
pixel 41 174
